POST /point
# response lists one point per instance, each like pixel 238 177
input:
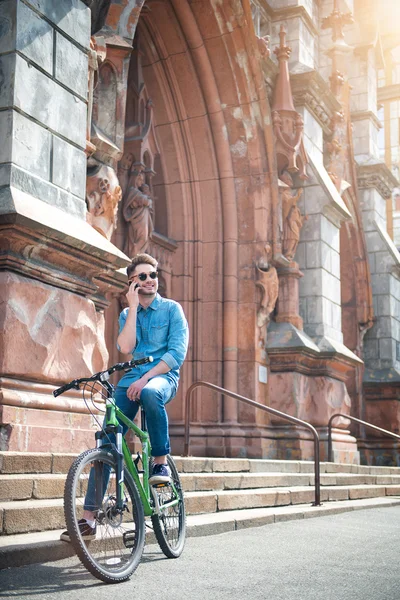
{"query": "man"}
pixel 157 327
pixel 149 326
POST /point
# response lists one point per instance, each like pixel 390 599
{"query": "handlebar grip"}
pixel 64 388
pixel 142 361
pixel 60 390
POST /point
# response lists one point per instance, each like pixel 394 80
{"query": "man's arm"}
pixel 178 339
pixel 126 340
pixel 134 390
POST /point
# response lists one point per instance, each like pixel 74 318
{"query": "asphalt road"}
pixel 352 556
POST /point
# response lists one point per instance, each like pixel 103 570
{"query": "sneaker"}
pixel 87 532
pixel 160 474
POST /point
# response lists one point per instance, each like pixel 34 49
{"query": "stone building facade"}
pixel 248 146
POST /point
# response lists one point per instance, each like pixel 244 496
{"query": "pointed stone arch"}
pixel 210 114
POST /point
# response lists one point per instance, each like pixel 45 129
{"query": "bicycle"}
pixel 123 496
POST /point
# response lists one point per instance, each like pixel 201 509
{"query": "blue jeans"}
pixel 154 396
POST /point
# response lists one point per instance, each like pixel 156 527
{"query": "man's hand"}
pixel 133 295
pixel 134 390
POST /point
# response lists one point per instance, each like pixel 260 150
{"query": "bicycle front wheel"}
pixel 170 524
pixel 115 552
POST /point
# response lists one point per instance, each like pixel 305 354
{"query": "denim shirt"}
pixel 161 332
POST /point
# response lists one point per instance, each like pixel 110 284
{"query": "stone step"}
pixel 44 514
pixel 45 546
pixel 31 486
pixel 214 501
pixel 49 485
pixel 42 462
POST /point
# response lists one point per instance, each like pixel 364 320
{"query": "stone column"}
pixel 381 348
pixel 50 256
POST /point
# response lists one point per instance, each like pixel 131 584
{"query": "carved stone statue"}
pixel 267 280
pixel 292 219
pixel 103 193
pixel 263 46
pixel 137 210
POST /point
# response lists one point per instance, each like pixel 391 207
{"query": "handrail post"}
pixel 330 439
pixel 317 473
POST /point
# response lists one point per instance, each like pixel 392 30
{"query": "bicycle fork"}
pixel 101 478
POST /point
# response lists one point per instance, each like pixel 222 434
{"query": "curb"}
pixel 33 548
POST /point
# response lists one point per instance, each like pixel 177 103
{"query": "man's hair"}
pixel 141 259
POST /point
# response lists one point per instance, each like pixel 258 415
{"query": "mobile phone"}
pixel 137 285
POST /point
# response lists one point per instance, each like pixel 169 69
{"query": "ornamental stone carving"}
pixel 292 218
pixel 267 281
pixel 103 194
pixel 137 210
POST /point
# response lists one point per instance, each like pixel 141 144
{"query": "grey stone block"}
pixel 313 254
pixel 336 316
pixel 71 204
pixel 44 190
pixel 303 308
pixel 311 229
pixel 394 286
pixel 314 309
pixel 5 174
pixel 69 167
pixel 330 234
pixel 335 264
pixel 371 350
pixel 31 146
pixel 384 262
pixel 5 136
pixel 7 68
pixel 8 25
pixel 383 305
pixel 387 348
pixel 381 283
pixel 311 283
pixel 49 103
pixel 34 38
pixel 382 328
pixel 301 255
pixel 71 66
pixel 71 16
pixel 331 287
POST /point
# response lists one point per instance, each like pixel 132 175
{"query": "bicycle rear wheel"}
pixel 170 525
pixel 116 551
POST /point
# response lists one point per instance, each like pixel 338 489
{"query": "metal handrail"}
pixel 357 421
pixel 262 407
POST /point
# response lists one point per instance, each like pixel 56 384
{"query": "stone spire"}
pixel 283 99
pixel 287 122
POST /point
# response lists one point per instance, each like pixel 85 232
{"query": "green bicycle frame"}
pixel 114 416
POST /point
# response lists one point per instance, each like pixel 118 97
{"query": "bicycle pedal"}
pixel 129 538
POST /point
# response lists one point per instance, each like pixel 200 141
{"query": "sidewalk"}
pixel 352 555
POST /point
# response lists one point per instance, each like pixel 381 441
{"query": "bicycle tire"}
pixel 170 526
pixel 116 551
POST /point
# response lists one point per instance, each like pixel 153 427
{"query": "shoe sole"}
pixel 159 479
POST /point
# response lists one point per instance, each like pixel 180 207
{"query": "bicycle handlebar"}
pixel 102 375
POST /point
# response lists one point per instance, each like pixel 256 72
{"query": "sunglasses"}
pixel 143 276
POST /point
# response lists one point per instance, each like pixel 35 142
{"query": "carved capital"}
pixel 379 176
pixel 311 91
